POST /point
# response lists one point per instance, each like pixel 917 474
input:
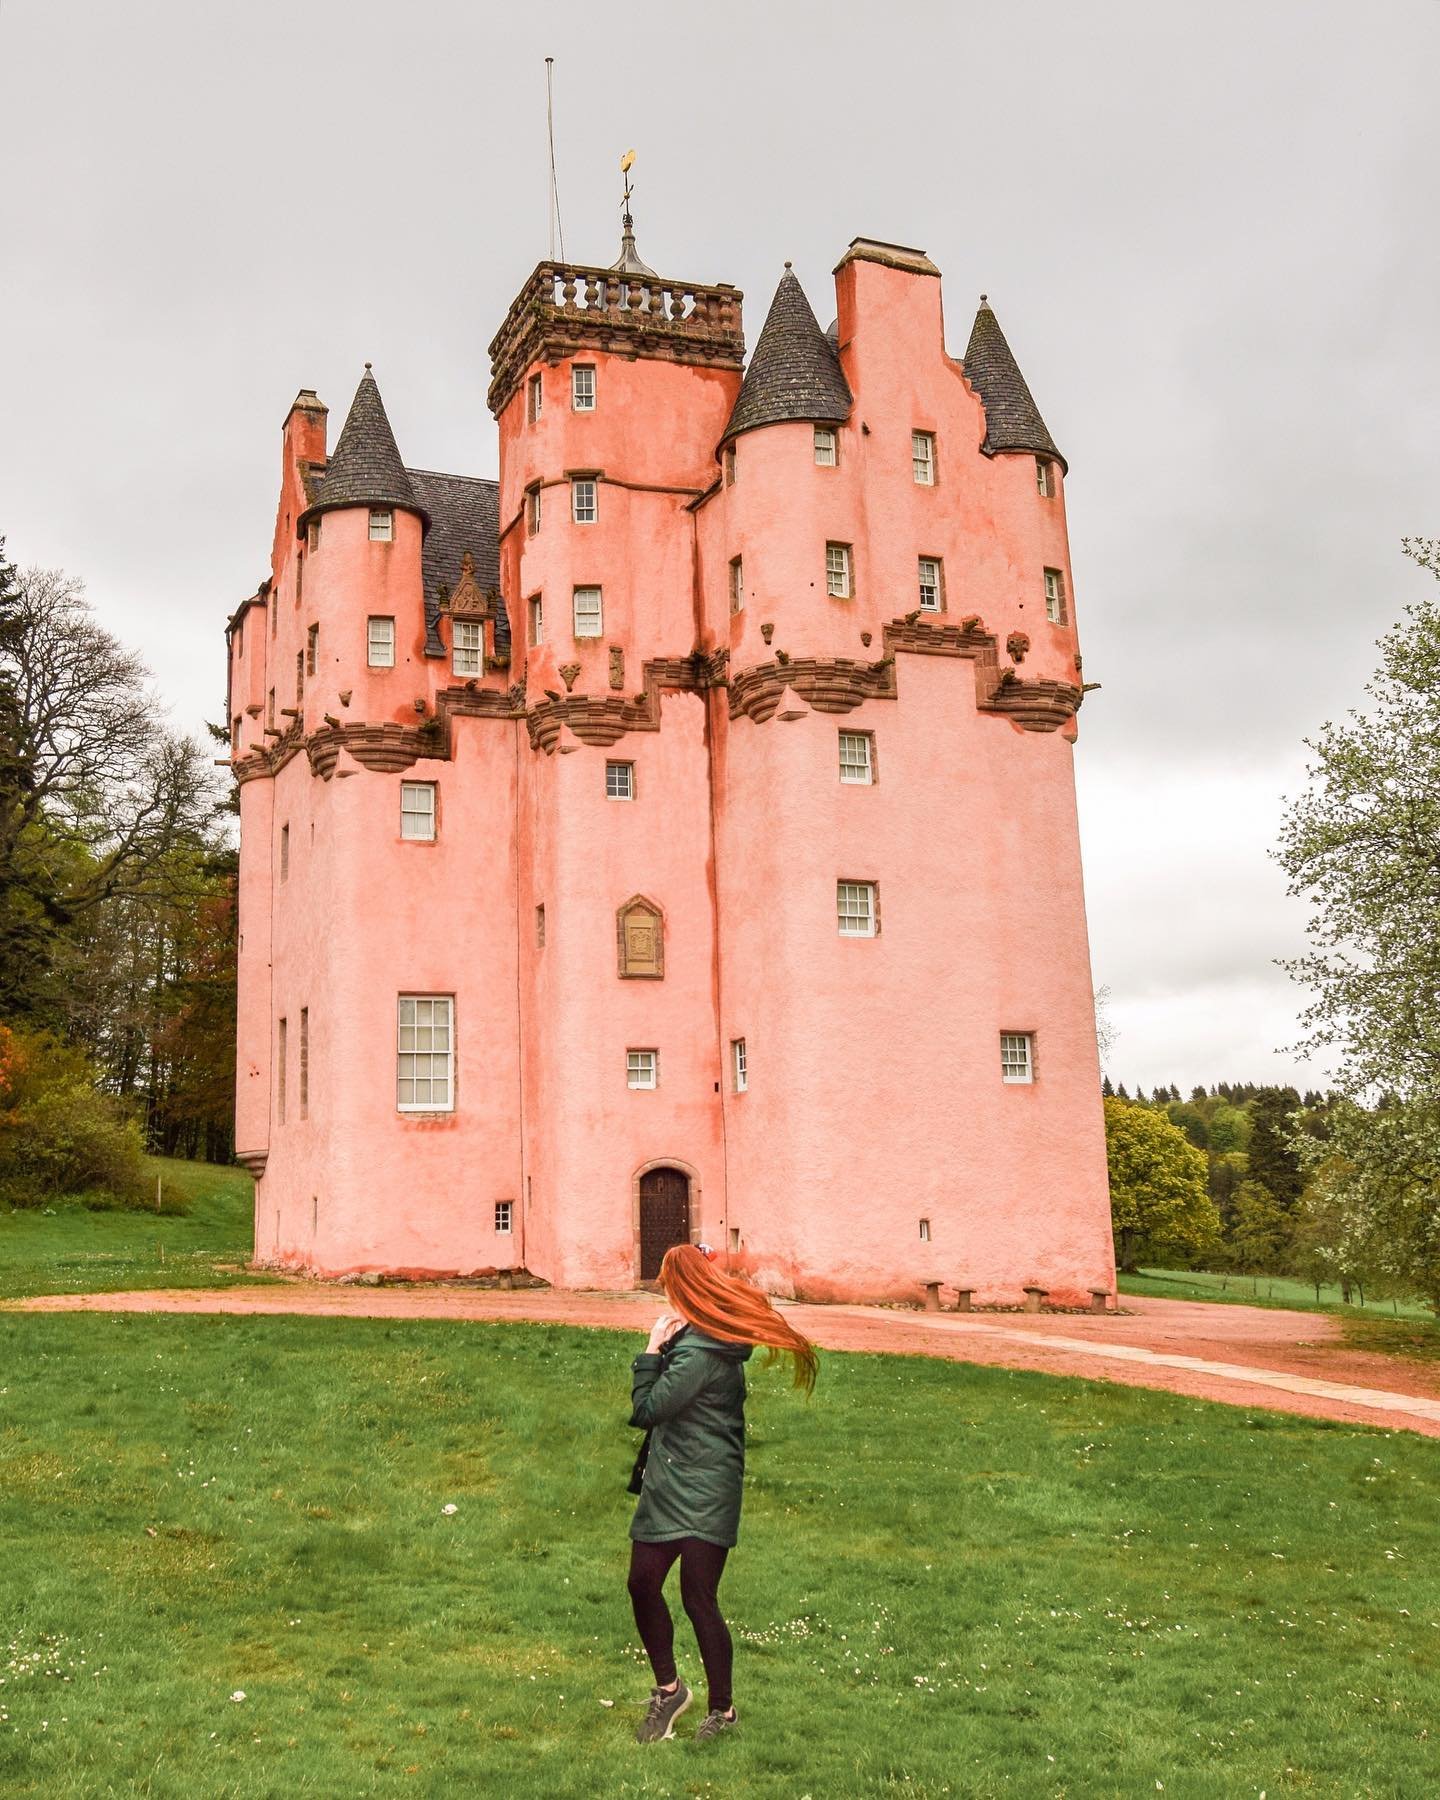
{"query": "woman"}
pixel 688 1395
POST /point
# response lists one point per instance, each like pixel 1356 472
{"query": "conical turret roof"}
pixel 1012 419
pixel 366 469
pixel 794 372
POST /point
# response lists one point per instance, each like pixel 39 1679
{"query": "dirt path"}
pixel 1255 1357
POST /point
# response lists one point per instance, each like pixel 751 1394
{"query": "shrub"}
pixel 60 1137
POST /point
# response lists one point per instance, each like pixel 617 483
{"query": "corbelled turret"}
pixel 794 372
pixel 1012 419
pixel 366 469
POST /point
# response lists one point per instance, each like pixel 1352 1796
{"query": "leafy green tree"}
pixel 1191 1121
pixel 1259 1232
pixel 1229 1128
pixel 1158 1194
pixel 1272 1157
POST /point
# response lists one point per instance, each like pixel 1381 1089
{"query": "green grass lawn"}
pixel 68 1249
pixel 1263 1290
pixel 951 1580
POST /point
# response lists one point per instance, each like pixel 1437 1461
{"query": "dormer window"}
pixel 534 398
pixel 582 387
pixel 382 525
pixel 1045 478
pixel 922 457
pixel 467 650
pixel 827 447
pixel 584 507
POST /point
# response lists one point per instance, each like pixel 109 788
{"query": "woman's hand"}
pixel 662 1331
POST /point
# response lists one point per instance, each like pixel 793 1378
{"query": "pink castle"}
pixel 677 838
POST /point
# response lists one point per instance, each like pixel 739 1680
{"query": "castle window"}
pixel 304 1062
pixel 737 584
pixel 583 507
pixel 532 509
pixel 931 588
pixel 284 852
pixel 857 765
pixel 642 1068
pixel 924 1231
pixel 504 1217
pixel 837 571
pixel 1054 596
pixel 619 781
pixel 540 926
pixel 1045 478
pixel 282 1033
pixel 537 621
pixel 922 457
pixel 312 646
pixel 739 1066
pixel 587 612
pixel 729 465
pixel 240 641
pixel 534 398
pixel 270 710
pixel 380 642
pixel 235 736
pixel 312 536
pixel 827 447
pixel 1017 1060
pixel 382 525
pixel 417 811
pixel 855 903
pixel 299 676
pixel 468 649
pixel 582 387
pixel 425 1054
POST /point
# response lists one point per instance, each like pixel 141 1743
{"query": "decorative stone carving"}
pixel 767 631
pixel 640 939
pixel 568 673
pixel 468 601
pixel 1017 644
pixel 617 668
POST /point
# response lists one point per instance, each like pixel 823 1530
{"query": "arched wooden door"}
pixel 664 1216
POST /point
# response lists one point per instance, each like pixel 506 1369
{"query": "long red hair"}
pixel 731 1309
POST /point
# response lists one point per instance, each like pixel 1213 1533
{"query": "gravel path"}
pixel 1257 1357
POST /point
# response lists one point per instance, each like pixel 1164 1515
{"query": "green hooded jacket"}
pixel 691 1398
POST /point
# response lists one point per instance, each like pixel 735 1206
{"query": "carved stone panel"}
pixel 640 935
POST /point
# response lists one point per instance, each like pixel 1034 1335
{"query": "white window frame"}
pixel 382 525
pixel 642 1070
pixel 922 457
pixel 467 647
pixel 1045 477
pixel 857 771
pixel 534 398
pixel 827 447
pixel 857 911
pixel 593 621
pixel 936 583
pixel 537 620
pixel 737 584
pixel 1017 1058
pixel 419 807
pixel 504 1218
pixel 532 510
pixel 1055 596
pixel 380 644
pixel 739 1065
pixel 582 387
pixel 438 1020
pixel 584 499
pixel 619 781
pixel 839 572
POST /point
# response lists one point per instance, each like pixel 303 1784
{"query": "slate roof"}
pixel 365 468
pixel 794 372
pixel 1012 419
pixel 464 514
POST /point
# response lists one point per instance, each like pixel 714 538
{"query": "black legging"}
pixel 701 1566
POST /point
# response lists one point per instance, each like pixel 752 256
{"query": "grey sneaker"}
pixel 660 1716
pixel 714 1723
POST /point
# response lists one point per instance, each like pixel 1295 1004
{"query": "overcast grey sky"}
pixel 1209 233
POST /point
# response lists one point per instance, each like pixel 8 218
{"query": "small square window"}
pixel 739 1065
pixel 588 622
pixel 537 621
pixel 417 811
pixel 467 656
pixel 855 901
pixel 534 397
pixel 837 571
pixel 931 584
pixel 1045 478
pixel 582 387
pixel 1017 1059
pixel 827 447
pixel 382 525
pixel 619 781
pixel 737 584
pixel 642 1068
pixel 504 1217
pixel 425 1053
pixel 380 634
pixel 922 457
pixel 532 509
pixel 583 505
pixel 728 461
pixel 1054 596
pixel 857 766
